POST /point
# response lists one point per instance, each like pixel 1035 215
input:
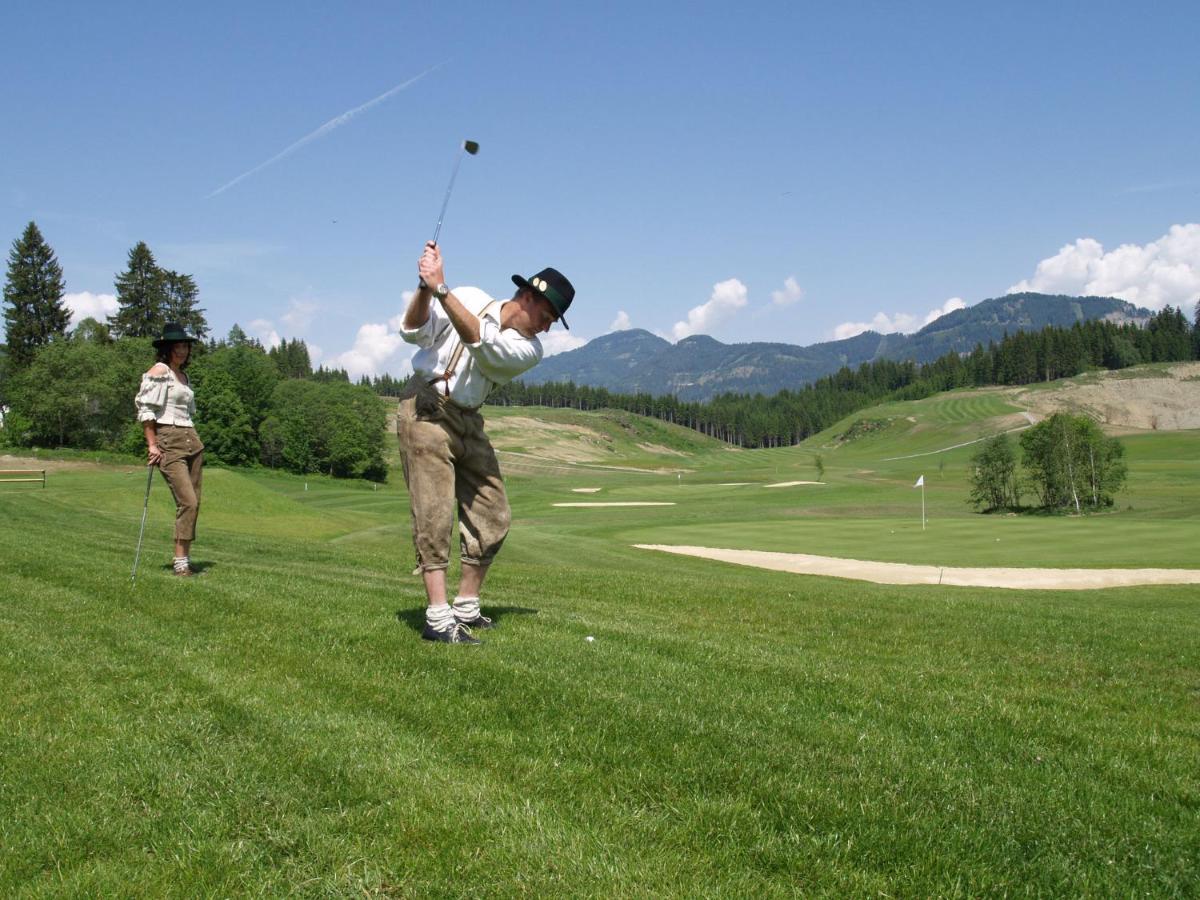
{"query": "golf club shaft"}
pixel 446 200
pixel 142 530
pixel 470 148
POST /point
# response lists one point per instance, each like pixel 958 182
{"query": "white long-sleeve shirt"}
pixel 499 356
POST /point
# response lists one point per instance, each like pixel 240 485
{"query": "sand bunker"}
pixel 791 483
pixel 613 504
pixel 900 573
pixel 585 490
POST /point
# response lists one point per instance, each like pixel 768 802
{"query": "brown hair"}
pixel 163 353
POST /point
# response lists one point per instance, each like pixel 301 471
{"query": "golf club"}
pixel 472 147
pixel 142 530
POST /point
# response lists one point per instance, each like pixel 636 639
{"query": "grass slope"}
pixel 277 727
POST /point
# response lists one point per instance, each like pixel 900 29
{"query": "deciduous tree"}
pixel 79 393
pixel 994 475
pixel 1072 463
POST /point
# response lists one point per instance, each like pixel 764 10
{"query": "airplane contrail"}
pixel 329 126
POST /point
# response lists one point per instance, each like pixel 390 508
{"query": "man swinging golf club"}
pixel 468 344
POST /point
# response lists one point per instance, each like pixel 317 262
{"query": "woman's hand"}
pixel 154 456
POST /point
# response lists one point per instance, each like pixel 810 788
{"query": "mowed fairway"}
pixel 277 727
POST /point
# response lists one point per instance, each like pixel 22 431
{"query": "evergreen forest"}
pixel 268 406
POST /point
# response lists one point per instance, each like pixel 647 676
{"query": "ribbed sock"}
pixel 439 617
pixel 182 564
pixel 466 608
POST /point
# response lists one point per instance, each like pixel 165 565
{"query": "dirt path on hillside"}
pixel 1029 417
pixel 901 573
pixel 50 465
pixel 1168 402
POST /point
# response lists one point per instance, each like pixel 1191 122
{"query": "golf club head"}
pixel 472 147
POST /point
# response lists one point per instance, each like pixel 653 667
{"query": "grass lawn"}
pixel 277 726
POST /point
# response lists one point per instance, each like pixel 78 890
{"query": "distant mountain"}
pixel 699 367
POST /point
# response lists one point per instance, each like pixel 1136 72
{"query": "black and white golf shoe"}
pixel 456 633
pixel 480 621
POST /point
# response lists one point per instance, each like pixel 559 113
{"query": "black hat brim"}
pixel 160 343
pixel 525 283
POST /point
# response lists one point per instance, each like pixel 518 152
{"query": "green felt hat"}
pixel 554 286
pixel 173 333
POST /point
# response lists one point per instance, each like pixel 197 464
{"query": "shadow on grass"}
pixel 415 618
pixel 198 568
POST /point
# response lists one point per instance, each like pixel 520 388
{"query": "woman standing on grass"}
pixel 165 406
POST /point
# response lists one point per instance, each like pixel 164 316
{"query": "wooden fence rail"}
pixel 14 476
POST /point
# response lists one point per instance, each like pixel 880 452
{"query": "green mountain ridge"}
pixel 700 367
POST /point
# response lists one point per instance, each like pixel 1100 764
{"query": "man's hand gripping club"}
pixel 432 274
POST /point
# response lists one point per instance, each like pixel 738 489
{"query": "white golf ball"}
pixel 589 638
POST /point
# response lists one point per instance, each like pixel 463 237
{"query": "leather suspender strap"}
pixel 445 377
pixel 456 356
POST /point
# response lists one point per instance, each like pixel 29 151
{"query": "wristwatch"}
pixel 441 291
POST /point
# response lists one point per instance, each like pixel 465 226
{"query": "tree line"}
pixel 76 389
pixel 254 406
pixel 786 418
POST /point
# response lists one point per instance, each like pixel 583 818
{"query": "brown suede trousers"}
pixel 449 462
pixel 182 466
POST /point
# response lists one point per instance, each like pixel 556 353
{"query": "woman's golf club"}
pixel 142 530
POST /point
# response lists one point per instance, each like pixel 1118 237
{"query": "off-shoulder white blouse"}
pixel 166 400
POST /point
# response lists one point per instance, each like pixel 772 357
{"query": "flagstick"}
pixel 922 505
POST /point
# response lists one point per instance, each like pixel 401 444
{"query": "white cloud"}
pixel 300 315
pixel 948 307
pixel 881 322
pixel 375 349
pixel 727 298
pixel 621 322
pixel 86 305
pixel 903 322
pixel 1162 272
pixel 790 294
pixel 265 332
pixel 560 341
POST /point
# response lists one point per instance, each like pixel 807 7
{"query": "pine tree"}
pixel 181 294
pixel 1196 332
pixel 141 295
pixel 301 362
pixel 33 308
pixel 291 358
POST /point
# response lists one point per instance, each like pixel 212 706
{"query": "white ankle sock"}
pixel 181 564
pixel 466 608
pixel 439 617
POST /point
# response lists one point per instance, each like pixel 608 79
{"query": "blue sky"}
pixel 787 171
